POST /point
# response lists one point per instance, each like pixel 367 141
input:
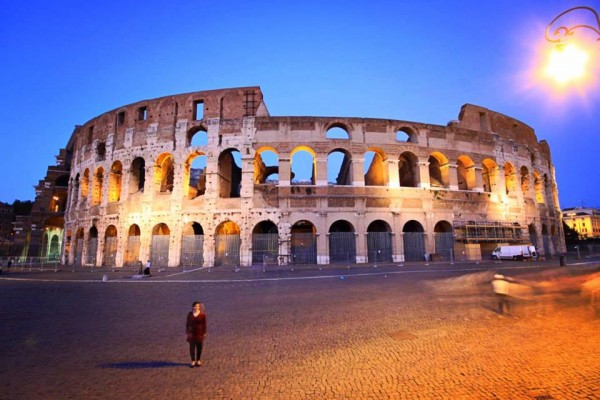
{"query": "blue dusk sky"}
pixel 64 62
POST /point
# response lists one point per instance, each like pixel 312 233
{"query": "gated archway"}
pixel 379 242
pixel 342 243
pixel 413 237
pixel 192 245
pixel 227 244
pixel 159 248
pixel 110 246
pixel 265 243
pixel 132 251
pixel 444 240
pixel 78 247
pixel 92 246
pixel 304 243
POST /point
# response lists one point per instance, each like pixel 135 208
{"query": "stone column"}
pixel 450 171
pixel 393 173
pixel 321 170
pixel 478 179
pixel 424 181
pixel 285 172
pixel 358 173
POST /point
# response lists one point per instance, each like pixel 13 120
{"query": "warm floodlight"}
pixel 567 63
pixel 562 32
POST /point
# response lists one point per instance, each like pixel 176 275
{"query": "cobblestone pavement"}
pixel 335 334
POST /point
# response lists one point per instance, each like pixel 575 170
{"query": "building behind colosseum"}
pixel 210 178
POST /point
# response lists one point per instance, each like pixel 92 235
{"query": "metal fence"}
pixel 379 247
pixel 110 251
pixel 192 251
pixel 92 250
pixel 265 248
pixel 159 256
pixel 304 248
pixel 342 247
pixel 414 246
pixel 227 250
pixel 132 251
pixel 444 246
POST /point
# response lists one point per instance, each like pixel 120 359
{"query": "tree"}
pixel 571 235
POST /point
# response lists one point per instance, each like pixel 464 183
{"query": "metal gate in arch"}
pixel 265 248
pixel 379 247
pixel 110 251
pixel 132 251
pixel 160 251
pixel 192 250
pixel 227 250
pixel 414 246
pixel 342 247
pixel 304 248
pixel 444 245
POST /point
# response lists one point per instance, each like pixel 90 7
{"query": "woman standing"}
pixel 195 328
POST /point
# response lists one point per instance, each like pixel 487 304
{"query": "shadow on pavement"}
pixel 142 365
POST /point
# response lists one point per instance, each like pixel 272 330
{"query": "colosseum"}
pixel 209 178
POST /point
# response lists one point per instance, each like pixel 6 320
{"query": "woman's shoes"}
pixel 199 363
pixel 193 364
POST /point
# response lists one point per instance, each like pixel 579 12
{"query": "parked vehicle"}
pixel 515 252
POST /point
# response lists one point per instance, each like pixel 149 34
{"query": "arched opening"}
pixel 444 241
pixel 114 182
pixel 408 170
pixel 137 175
pixel 159 247
pixel 54 251
pixel 85 184
pixel 375 168
pixel 533 236
pixel 546 240
pixel 132 250
pixel 78 251
pixel 379 242
pixel 97 185
pixel 438 170
pixel 197 137
pixel 194 178
pixel 265 243
pixel 266 166
pixel 303 166
pixel 413 237
pixel 165 172
pixel 465 173
pixel 337 132
pixel 489 175
pixel 548 193
pixel 339 167
pixel 304 243
pixel 342 243
pixel 405 134
pixel 227 244
pixel 92 248
pixel 192 245
pixel 110 246
pixel 510 180
pixel 524 180
pixel 230 173
pixel 76 189
pixel 539 188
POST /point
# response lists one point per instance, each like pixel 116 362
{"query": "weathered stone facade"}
pixel 210 178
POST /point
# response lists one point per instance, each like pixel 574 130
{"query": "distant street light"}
pixel 569 62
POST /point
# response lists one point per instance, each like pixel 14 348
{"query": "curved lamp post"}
pixel 562 32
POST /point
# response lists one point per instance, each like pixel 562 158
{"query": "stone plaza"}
pixel 362 333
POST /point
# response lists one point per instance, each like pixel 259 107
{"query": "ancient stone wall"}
pixel 210 178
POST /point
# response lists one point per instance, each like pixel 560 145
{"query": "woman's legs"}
pixel 195 351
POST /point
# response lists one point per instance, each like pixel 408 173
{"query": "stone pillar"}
pixel 358 173
pixel 285 171
pixel 424 181
pixel 321 170
pixel 478 179
pixel 393 173
pixel 450 171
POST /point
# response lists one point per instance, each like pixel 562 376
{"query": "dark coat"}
pixel 195 327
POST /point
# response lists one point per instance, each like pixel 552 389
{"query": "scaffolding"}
pixel 489 231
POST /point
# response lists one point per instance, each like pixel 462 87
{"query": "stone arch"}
pixel 265 243
pixel 97 186
pixel 78 250
pixel 164 172
pixel 379 242
pixel 137 175
pixel 439 174
pixel 489 174
pixel 92 247
pixel 302 160
pixel 194 175
pixel 524 180
pixel 76 188
pixel 408 169
pixel 230 173
pixel 375 167
pixel 54 251
pixel 342 242
pixel 85 184
pixel 266 165
pixel 337 131
pixel 303 243
pixel 197 137
pixel 413 238
pixel 465 173
pixel 115 178
pixel 339 167
pixel 227 244
pixel 132 249
pixel 406 134
pixel 159 247
pixel 444 240
pixel 192 245
pixel 510 179
pixel 110 246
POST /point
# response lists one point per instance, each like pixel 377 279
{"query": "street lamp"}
pixel 564 31
pixel 569 62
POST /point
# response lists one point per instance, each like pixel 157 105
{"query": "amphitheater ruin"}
pixel 209 178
